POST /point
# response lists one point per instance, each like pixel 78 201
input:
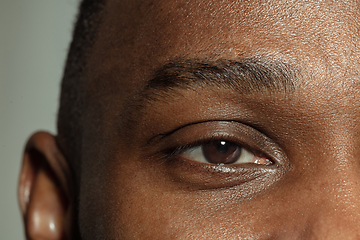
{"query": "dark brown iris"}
pixel 221 152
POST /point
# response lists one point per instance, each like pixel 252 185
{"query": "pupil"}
pixel 223 147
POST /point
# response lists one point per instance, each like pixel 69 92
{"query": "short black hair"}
pixel 72 86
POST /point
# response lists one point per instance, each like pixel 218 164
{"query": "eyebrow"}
pixel 245 76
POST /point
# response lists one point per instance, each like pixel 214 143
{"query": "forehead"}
pixel 136 37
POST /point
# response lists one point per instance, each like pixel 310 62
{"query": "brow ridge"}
pixel 245 76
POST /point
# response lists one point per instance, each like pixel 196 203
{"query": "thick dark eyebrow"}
pixel 246 76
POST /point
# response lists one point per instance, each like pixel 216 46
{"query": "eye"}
pixel 223 152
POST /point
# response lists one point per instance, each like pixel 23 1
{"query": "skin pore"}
pixel 142 176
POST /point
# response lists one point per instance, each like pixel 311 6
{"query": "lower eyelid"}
pixel 195 175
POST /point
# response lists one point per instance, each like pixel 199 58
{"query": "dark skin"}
pixel 140 178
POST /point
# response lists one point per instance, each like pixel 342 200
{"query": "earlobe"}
pixel 44 190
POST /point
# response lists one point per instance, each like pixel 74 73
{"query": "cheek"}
pixel 141 203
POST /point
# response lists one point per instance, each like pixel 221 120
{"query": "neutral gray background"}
pixel 34 38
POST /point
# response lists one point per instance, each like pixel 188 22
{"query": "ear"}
pixel 44 192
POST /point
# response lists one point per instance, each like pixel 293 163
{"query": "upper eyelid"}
pixel 165 134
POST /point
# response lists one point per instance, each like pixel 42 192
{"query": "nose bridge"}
pixel 340 194
pixel 336 214
pixel 337 177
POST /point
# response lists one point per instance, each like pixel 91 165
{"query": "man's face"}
pixel 223 120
